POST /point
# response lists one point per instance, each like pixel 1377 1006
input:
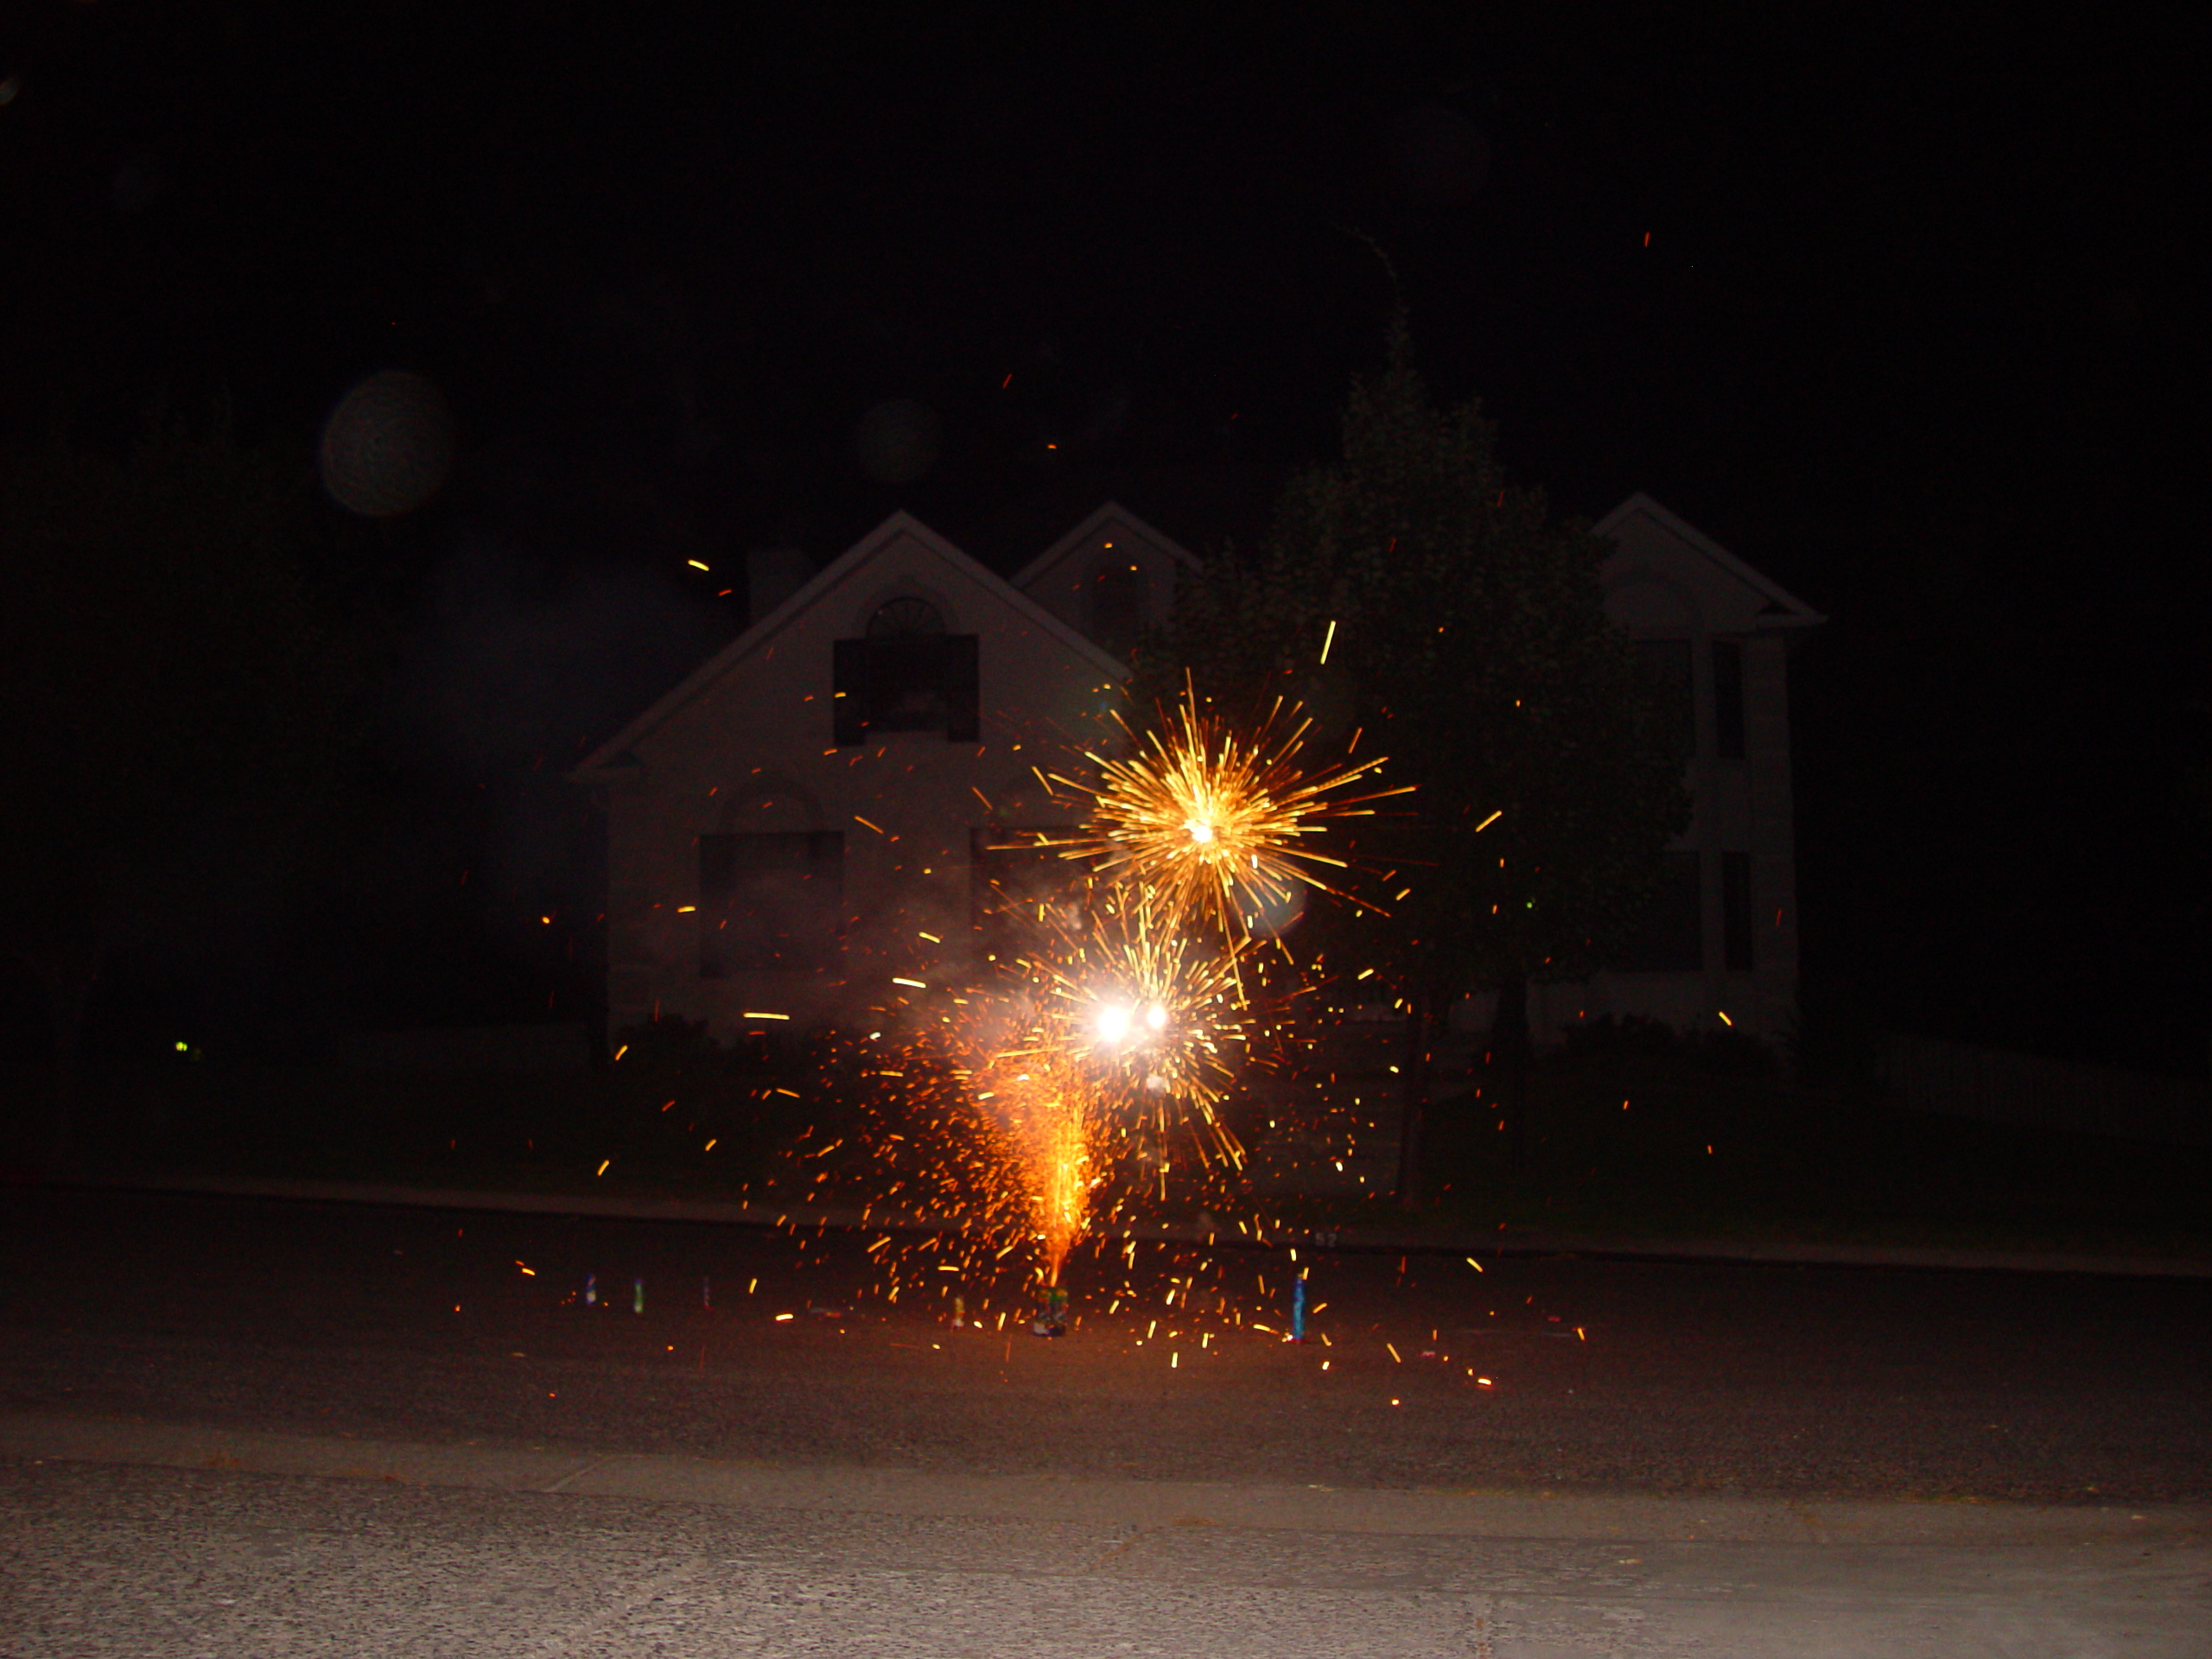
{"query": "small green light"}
pixel 182 1048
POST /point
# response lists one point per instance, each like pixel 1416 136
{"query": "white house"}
pixel 1722 939
pixel 1107 578
pixel 825 807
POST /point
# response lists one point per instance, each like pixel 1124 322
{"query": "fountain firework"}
pixel 1108 1037
pixel 1142 1012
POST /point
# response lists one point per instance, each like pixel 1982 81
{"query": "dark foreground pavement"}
pixel 130 1539
pixel 238 1428
pixel 1564 1374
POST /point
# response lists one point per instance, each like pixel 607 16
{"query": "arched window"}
pixel 905 674
pixel 905 617
pixel 770 901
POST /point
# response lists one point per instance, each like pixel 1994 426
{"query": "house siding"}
pixel 1664 580
pixel 749 745
pixel 755 752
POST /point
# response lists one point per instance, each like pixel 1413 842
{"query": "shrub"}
pixel 671 1043
pixel 1611 1034
pixel 1731 1053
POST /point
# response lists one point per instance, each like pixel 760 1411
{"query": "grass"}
pixel 1698 1152
pixel 529 1132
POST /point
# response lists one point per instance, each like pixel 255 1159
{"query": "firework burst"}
pixel 1150 1015
pixel 1092 1044
pixel 1129 1012
pixel 1215 827
pixel 1059 1087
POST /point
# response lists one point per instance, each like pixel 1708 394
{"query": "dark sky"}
pixel 1906 313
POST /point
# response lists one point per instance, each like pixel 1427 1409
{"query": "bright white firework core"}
pixel 1157 1017
pixel 1201 833
pixel 1113 1023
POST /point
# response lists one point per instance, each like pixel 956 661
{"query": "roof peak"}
pixel 1782 608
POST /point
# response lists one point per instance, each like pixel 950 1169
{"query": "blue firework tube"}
pixel 591 1290
pixel 706 1291
pixel 637 1296
pixel 1297 1308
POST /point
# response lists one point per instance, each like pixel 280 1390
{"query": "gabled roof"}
pixel 612 756
pixel 1783 609
pixel 1077 538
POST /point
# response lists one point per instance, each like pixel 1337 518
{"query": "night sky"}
pixel 1907 314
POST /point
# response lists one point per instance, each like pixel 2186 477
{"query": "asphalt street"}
pixel 2076 1402
pixel 1601 1376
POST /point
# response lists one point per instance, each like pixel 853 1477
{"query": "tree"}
pixel 1466 635
pixel 168 700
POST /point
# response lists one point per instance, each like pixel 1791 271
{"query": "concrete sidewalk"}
pixel 139 1539
pixel 1503 1242
pixel 34 1438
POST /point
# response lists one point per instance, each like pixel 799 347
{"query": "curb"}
pixel 1506 1242
pixel 659 1477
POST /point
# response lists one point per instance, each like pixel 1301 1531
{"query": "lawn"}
pixel 699 1125
pixel 1662 1146
pixel 1654 1145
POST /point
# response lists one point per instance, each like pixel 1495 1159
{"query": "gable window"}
pixel 770 902
pixel 905 674
pixel 1669 936
pixel 1728 699
pixel 1118 592
pixel 1668 662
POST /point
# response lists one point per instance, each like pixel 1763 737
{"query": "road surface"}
pixel 1541 1456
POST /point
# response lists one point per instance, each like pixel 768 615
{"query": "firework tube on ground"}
pixel 1052 1318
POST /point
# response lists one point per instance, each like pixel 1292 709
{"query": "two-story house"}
pixel 1722 936
pixel 820 812
pixel 824 812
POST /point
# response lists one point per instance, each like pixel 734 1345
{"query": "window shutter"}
pixel 1728 699
pixel 848 718
pixel 962 689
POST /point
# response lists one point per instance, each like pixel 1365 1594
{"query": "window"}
pixel 905 675
pixel 1736 911
pixel 1728 699
pixel 1011 878
pixel 1669 936
pixel 1117 604
pixel 1668 661
pixel 770 901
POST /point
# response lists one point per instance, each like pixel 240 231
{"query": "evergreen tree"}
pixel 1465 636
